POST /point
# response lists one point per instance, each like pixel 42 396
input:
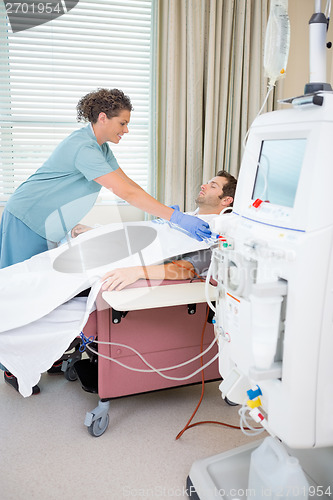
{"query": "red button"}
pixel 257 203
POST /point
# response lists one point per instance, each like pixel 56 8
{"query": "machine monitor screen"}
pixel 278 171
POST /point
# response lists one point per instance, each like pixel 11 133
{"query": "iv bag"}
pixel 277 41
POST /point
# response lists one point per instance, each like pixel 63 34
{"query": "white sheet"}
pixel 37 321
pixel 31 350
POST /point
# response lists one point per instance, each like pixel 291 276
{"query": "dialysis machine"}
pixel 275 309
pixel 274 312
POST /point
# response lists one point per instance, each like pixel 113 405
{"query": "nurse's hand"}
pixel 195 226
pixel 79 229
pixel 119 278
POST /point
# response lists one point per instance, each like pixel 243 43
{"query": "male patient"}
pixel 214 197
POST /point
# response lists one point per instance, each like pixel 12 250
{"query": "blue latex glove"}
pixel 198 228
pixel 175 207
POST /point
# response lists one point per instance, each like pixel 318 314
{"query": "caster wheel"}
pixel 99 426
pixel 230 403
pixel 70 374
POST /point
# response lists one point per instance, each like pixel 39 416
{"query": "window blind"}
pixel 46 69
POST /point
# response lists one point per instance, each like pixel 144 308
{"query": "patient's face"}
pixel 211 192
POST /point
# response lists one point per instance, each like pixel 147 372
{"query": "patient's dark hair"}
pixel 111 102
pixel 229 189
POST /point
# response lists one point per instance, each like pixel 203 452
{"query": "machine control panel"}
pixel 268 213
pixel 261 248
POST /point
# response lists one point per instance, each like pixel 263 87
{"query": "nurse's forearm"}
pixel 134 195
pixel 142 200
pixel 122 174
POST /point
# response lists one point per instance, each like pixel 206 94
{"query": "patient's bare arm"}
pixel 120 278
pixel 78 229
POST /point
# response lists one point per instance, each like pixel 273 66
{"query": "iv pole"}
pixel 318 26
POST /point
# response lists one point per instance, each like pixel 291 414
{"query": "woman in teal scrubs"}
pixel 56 197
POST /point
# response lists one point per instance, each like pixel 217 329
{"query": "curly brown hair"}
pixel 229 189
pixel 110 102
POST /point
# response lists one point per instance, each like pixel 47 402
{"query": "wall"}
pixel 105 214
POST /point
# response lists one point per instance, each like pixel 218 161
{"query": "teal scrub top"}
pixel 56 197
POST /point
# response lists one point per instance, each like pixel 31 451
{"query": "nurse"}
pixel 56 197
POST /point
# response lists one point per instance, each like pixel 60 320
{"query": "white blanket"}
pixel 38 320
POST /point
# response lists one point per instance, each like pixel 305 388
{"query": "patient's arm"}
pixel 119 278
pixel 78 229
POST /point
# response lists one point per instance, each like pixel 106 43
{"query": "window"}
pixel 46 69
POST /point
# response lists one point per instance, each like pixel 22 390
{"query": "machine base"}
pixel 225 476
